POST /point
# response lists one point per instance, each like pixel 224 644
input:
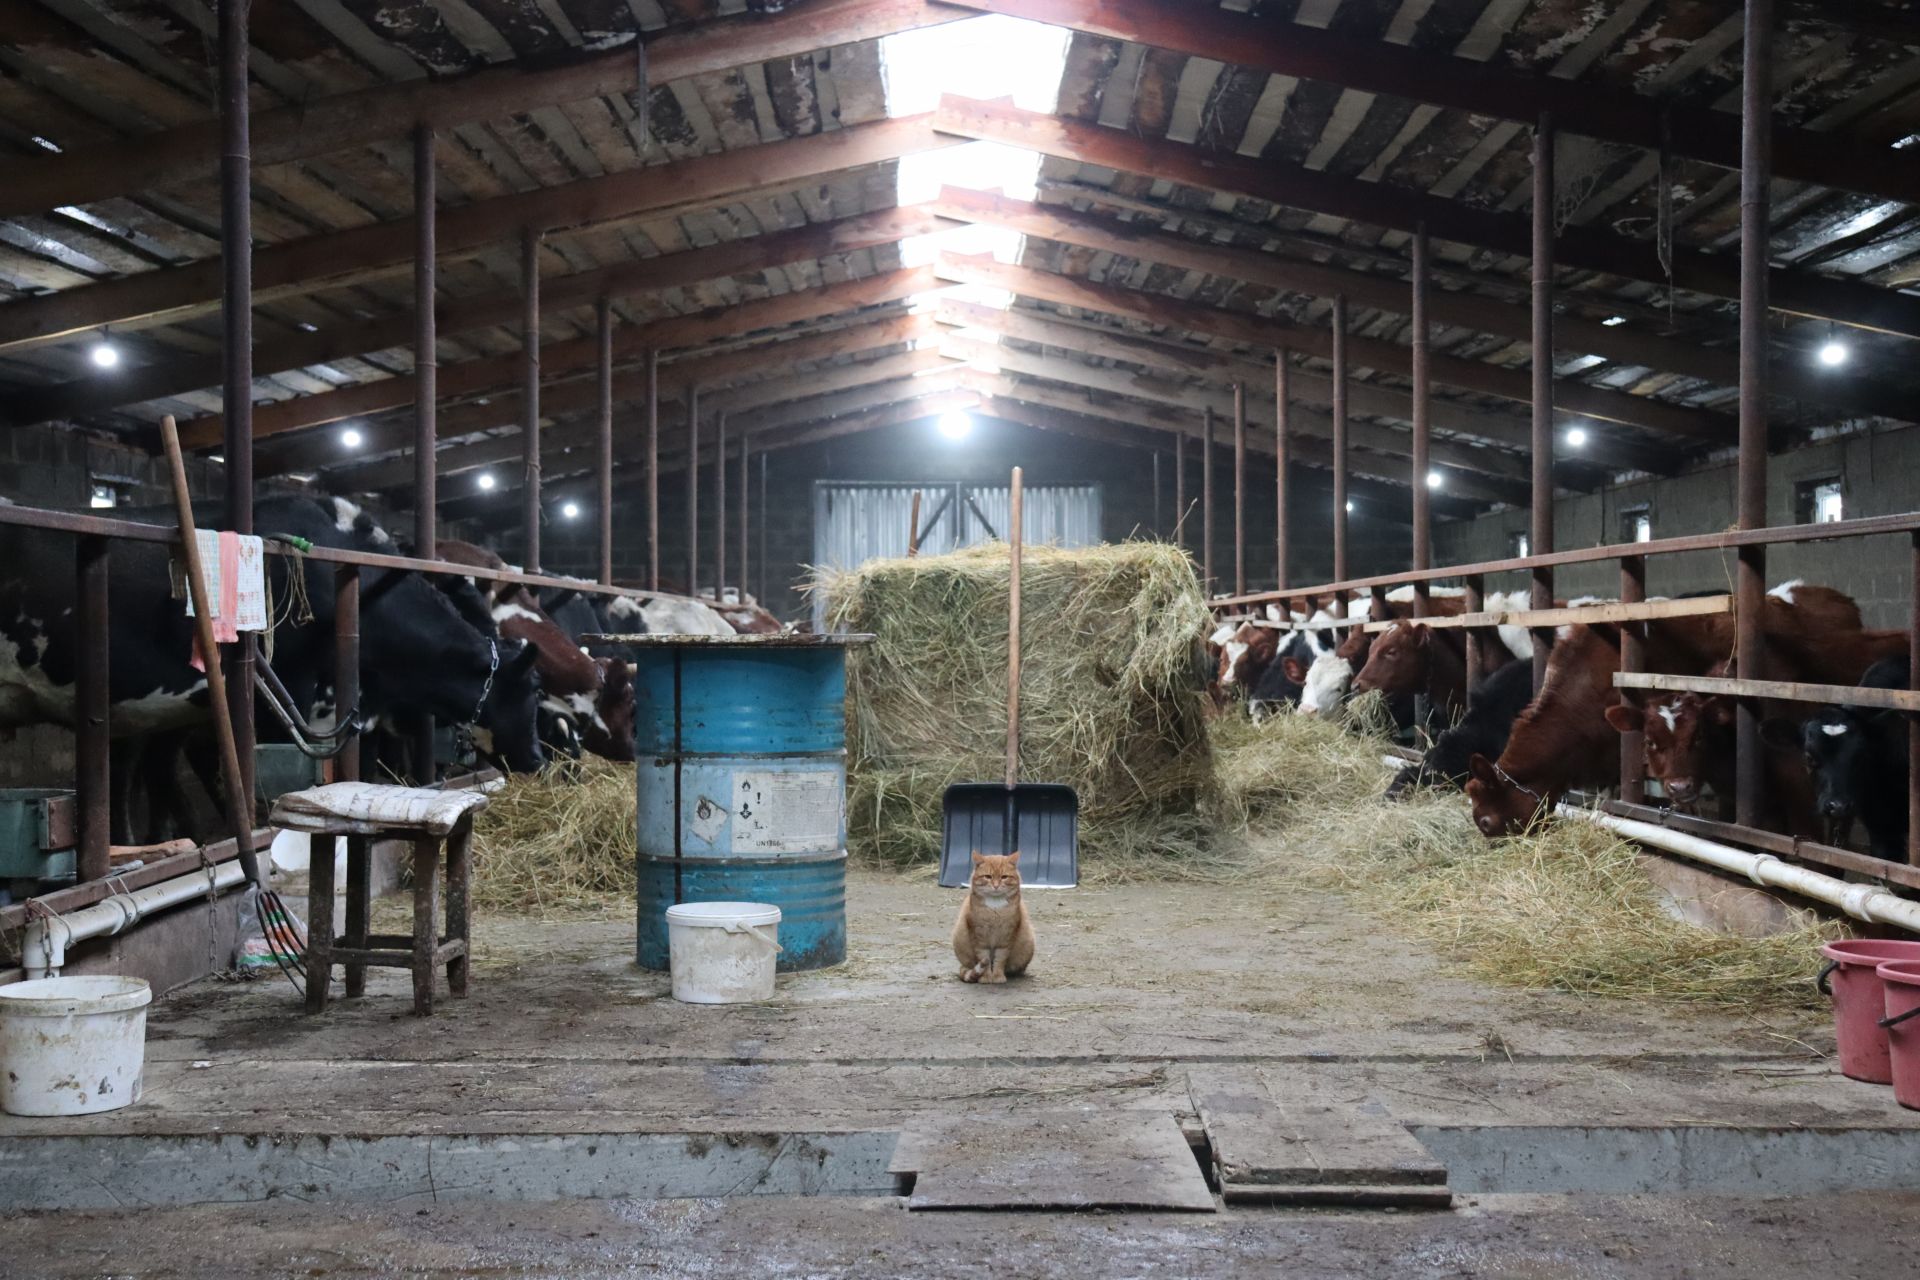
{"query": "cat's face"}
pixel 996 877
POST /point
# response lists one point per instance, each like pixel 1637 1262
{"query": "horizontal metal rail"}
pixel 1865 527
pixel 1784 690
pixel 1588 614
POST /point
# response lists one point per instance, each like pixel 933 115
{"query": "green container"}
pixel 37 833
pixel 280 767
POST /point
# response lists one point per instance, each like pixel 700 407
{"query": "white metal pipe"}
pixel 43 948
pixel 1866 902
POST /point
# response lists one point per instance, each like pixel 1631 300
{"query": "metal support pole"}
pixel 346 662
pixel 1750 582
pixel 1340 438
pixel 1206 500
pixel 720 506
pixel 1179 489
pixel 92 707
pixel 1239 489
pixel 1540 526
pixel 1282 461
pixel 745 507
pixel 693 491
pixel 236 253
pixel 653 469
pixel 765 520
pixel 1633 657
pixel 603 438
pixel 426 389
pixel 1422 423
pixel 1157 530
pixel 530 397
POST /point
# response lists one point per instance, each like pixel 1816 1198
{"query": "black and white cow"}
pixel 1858 759
pixel 422 648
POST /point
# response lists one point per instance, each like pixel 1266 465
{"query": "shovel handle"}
pixel 1013 635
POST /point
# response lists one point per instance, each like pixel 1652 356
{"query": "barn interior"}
pixel 793 371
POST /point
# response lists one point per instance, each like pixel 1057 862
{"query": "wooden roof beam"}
pixel 1158 309
pixel 178 375
pixel 1467 310
pixel 337 257
pixel 1397 208
pixel 1376 66
pixel 190 153
pixel 472 377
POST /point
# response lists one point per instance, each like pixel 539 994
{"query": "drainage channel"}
pixel 127 1171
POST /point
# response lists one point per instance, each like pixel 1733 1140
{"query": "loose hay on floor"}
pixel 558 841
pixel 1566 907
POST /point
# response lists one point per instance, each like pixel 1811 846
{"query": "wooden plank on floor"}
pixel 1260 1141
pixel 1052 1160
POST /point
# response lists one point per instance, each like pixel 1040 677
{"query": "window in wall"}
pixel 1518 546
pixel 1636 524
pixel 1818 501
pixel 102 494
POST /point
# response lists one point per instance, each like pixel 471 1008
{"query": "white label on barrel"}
pixel 786 812
pixel 709 820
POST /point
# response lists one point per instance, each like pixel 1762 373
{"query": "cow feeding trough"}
pixel 1113 700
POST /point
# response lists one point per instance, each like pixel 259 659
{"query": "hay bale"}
pixel 1112 697
pixel 560 841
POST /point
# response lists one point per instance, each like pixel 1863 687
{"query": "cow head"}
pixel 612 731
pixel 508 724
pixel 1838 745
pixel 1397 660
pixel 1680 733
pixel 1245 653
pixel 1502 805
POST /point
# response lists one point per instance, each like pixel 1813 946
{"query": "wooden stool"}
pixel 363 813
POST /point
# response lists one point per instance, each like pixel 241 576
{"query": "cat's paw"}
pixel 995 979
pixel 970 975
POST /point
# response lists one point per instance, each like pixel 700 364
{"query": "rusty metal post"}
pixel 426 365
pixel 1540 522
pixel 530 397
pixel 1206 500
pixel 92 707
pixel 1282 462
pixel 603 438
pixel 693 491
pixel 236 254
pixel 1422 424
pixel 653 469
pixel 1179 489
pixel 1340 438
pixel 1633 657
pixel 1750 582
pixel 346 661
pixel 1239 489
pixel 745 513
pixel 426 386
pixel 720 506
pixel 1157 530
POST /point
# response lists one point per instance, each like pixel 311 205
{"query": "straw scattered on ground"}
pixel 558 842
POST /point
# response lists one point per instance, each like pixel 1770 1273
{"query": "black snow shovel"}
pixel 1039 819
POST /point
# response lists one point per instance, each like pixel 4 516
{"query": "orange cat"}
pixel 993 937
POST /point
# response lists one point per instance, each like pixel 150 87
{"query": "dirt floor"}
pixel 1132 985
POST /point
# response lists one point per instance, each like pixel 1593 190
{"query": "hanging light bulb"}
pixel 1576 437
pixel 571 510
pixel 352 438
pixel 104 355
pixel 956 425
pixel 486 481
pixel 1435 479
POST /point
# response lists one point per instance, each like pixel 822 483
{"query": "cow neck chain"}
pixel 486 687
pixel 1516 784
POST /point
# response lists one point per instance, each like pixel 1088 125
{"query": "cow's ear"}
pixel 1481 768
pixel 1780 733
pixel 1422 635
pixel 1720 711
pixel 1626 719
pixel 1296 670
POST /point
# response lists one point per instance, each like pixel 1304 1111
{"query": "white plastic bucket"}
pixel 722 952
pixel 72 1046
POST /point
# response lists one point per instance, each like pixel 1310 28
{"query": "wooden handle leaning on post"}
pixel 1013 634
pixel 239 804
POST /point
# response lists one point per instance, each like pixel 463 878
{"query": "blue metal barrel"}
pixel 742 785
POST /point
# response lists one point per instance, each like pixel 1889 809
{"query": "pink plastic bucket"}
pixel 1859 1002
pixel 1901 981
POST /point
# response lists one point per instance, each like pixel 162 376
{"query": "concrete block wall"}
pixel 913 452
pixel 1879 474
pixel 52 465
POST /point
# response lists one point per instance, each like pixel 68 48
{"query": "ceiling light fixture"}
pixel 1435 479
pixel 104 355
pixel 571 510
pixel 352 438
pixel 956 425
pixel 486 481
pixel 1576 437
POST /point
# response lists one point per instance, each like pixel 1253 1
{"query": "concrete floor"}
pixel 563 1036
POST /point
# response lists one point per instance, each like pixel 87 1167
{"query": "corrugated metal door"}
pixel 854 522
